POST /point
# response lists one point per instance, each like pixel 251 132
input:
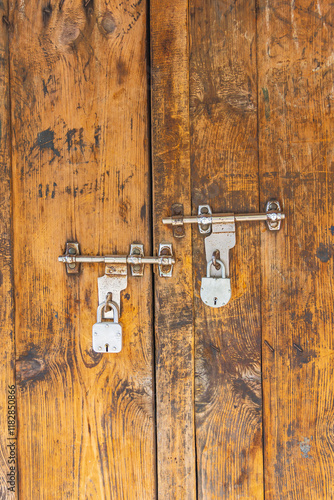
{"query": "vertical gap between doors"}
pixel 150 222
pixel 256 6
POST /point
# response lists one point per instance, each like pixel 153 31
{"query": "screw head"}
pixel 95 333
pixel 100 348
pixel 72 265
pixel 72 251
pixel 114 348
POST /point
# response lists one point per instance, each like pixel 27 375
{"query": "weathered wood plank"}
pixel 81 172
pixel 225 175
pixel 8 486
pixel 174 297
pixel 295 58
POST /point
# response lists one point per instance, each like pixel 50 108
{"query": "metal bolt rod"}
pixel 224 218
pixel 117 259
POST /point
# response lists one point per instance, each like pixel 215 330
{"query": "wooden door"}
pixel 110 113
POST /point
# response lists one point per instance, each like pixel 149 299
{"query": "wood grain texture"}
pixel 81 172
pixel 224 160
pixel 295 60
pixel 176 464
pixel 7 338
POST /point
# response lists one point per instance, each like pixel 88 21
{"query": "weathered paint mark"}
pixel 324 253
pixel 308 316
pixel 121 185
pixel 290 431
pixel 45 140
pixel 332 230
pixel 266 103
pixel 81 142
pixel 47 190
pixel 69 136
pixel 45 89
pixel 97 136
pixel 305 447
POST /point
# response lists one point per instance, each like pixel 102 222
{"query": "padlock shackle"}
pixel 101 307
pixel 222 266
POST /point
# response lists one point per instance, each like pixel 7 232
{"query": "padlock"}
pixel 107 335
pixel 215 291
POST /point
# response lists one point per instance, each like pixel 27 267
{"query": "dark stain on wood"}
pixel 122 71
pixel 304 356
pixel 266 103
pixel 143 212
pixel 30 367
pixel 46 12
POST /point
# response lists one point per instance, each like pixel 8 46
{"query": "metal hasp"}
pixel 107 332
pixel 215 287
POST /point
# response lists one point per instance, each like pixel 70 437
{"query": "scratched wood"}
pixel 80 173
pixel 225 175
pixel 296 118
pixel 7 345
pixel 176 464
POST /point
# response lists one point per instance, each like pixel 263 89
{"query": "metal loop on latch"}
pixel 212 262
pixel 101 307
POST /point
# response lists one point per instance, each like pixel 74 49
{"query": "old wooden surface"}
pixel 176 464
pixel 80 172
pixel 244 115
pixel 7 334
pixel 225 175
pixel 295 62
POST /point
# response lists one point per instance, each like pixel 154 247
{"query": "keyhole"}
pixel 107 347
pixel 215 301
